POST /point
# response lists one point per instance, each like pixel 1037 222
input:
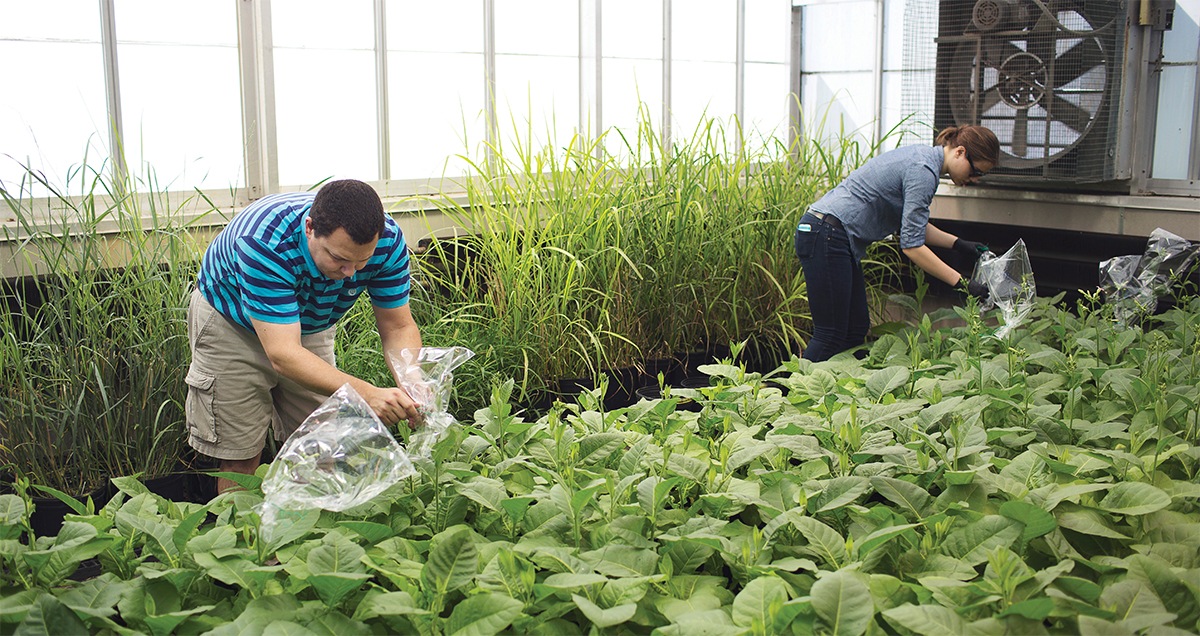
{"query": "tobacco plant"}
pixel 1044 483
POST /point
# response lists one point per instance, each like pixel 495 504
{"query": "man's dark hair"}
pixel 351 205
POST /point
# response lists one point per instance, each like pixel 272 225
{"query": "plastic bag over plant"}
pixel 426 375
pixel 1133 284
pixel 343 456
pixel 1009 279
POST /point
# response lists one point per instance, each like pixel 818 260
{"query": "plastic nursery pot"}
pixel 621 383
pixel 653 392
pixel 48 512
pixel 172 486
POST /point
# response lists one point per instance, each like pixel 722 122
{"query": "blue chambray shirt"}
pixel 890 194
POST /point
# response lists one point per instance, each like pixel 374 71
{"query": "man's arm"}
pixel 282 345
pixel 397 329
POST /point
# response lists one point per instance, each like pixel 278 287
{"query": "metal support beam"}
pixel 877 76
pixel 489 79
pixel 590 72
pixel 257 69
pixel 795 126
pixel 381 92
pixel 112 92
pixel 666 77
pixel 739 84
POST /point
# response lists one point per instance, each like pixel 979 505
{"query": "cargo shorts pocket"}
pixel 200 406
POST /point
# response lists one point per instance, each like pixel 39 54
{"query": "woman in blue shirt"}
pixel 888 195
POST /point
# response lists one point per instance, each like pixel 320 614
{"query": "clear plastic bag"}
pixel 1133 284
pixel 1009 279
pixel 427 376
pixel 343 456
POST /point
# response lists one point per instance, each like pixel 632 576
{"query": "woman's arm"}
pixel 924 258
pixel 938 238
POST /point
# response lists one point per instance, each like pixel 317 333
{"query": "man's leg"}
pixel 229 391
pixel 244 466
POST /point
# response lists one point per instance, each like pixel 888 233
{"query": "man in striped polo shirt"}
pixel 261 322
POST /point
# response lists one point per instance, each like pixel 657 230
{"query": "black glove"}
pixel 972 287
pixel 970 249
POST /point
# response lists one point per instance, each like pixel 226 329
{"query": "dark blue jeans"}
pixel 837 295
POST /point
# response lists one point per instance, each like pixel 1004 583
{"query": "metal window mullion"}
pixel 381 92
pixel 877 75
pixel 257 67
pixel 739 88
pixel 590 70
pixel 489 79
pixel 666 77
pixel 112 91
pixel 795 129
pixel 1194 157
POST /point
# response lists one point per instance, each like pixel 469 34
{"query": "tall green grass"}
pixel 584 260
pixel 94 346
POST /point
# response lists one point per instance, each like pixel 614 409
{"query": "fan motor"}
pixel 1001 15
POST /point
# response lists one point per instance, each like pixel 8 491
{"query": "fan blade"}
pixel 1077 62
pixel 1020 135
pixel 1069 114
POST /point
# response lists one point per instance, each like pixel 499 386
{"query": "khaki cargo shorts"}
pixel 234 392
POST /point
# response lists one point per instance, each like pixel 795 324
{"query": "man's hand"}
pixel 970 249
pixel 393 405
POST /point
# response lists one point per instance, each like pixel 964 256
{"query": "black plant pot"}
pixel 48 512
pixel 655 393
pixel 621 386
pixel 670 368
pixel 173 486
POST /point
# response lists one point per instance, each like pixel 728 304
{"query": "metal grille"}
pixel 1044 75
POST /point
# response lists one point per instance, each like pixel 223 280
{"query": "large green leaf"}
pixel 597 447
pixel 1134 498
pixel 843 603
pixel 631 461
pixel 912 499
pixel 1167 586
pixel 376 603
pixel 974 543
pixel 840 491
pixel 12 510
pixel 482 615
pixel 621 560
pixel 452 563
pixel 286 628
pixel 601 617
pixel 887 380
pixel 336 555
pixel 332 587
pixel 161 537
pixel 97 596
pixel 48 616
pixel 823 541
pixel 927 620
pixel 754 601
pixel 1036 521
pixel 573 581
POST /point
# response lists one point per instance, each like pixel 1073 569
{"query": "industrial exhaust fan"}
pixel 1045 75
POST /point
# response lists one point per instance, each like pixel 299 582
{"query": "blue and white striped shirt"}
pixel 260 267
pixel 889 194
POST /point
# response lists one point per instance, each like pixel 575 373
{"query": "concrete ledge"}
pixel 1100 213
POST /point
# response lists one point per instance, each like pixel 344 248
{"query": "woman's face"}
pixel 965 169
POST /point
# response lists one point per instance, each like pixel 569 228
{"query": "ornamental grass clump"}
pixel 94 344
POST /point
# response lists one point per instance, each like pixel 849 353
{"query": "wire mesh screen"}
pixel 918 65
pixel 1044 75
